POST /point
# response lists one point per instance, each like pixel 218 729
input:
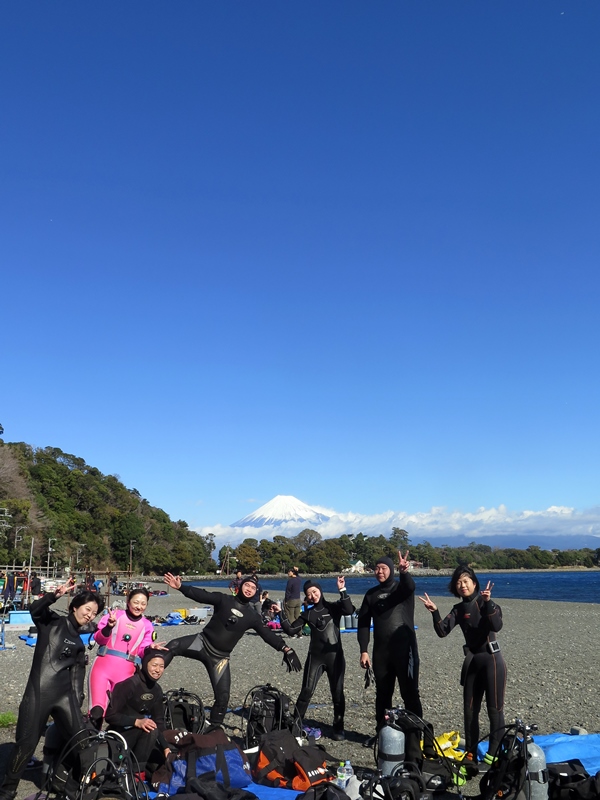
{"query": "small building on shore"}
pixel 356 567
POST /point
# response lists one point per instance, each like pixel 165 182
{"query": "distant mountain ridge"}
pixel 282 509
pixel 548 530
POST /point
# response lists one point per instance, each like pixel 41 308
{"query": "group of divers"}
pixel 123 689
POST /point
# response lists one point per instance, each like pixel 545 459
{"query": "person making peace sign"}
pixel 484 668
pixel 391 607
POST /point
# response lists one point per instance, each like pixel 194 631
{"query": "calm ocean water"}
pixel 580 587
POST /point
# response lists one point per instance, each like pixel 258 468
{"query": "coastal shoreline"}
pixel 430 573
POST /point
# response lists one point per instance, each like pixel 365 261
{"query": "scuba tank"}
pixel 390 750
pixel 536 779
pixel 518 771
pixel 348 621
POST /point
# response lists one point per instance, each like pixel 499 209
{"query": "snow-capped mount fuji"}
pixel 281 510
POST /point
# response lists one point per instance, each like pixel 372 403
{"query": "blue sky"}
pixel 342 251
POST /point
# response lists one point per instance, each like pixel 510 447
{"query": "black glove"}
pixel 369 677
pixel 291 661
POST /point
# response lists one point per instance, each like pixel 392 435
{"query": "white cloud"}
pixel 438 525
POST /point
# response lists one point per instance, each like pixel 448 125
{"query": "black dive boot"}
pixel 338 734
pixel 96 717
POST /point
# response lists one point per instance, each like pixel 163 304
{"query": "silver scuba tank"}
pixel 390 750
pixel 536 780
pixel 348 621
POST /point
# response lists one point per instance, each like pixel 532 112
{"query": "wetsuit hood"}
pixel 240 595
pixel 309 585
pixel 389 563
pixel 148 656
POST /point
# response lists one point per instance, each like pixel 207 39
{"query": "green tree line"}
pixel 313 554
pixel 84 518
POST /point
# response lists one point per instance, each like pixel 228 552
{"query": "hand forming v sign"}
pixel 428 603
pixel 486 593
pixel 403 562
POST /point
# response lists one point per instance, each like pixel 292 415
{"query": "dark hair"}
pixel 81 598
pixel 139 590
pixel 462 570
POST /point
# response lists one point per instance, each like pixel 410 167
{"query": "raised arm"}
pixel 490 610
pixel 40 610
pixel 441 626
pixel 193 592
pixel 343 607
pixel 444 626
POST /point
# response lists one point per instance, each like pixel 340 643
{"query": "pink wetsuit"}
pixel 120 649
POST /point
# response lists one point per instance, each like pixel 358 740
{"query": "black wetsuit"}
pixel 55 686
pixel 132 699
pixel 325 652
pixel 391 606
pixel 232 617
pixel 483 672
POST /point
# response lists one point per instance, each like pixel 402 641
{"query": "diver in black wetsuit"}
pixel 232 617
pixel 55 684
pixel 136 709
pixel 325 652
pixel 484 668
pixel 391 606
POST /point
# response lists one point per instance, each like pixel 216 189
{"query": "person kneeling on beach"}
pixel 136 709
pixel 484 668
pixel 232 617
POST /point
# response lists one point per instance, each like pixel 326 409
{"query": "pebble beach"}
pixel 551 649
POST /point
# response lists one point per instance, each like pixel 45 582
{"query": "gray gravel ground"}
pixel 550 648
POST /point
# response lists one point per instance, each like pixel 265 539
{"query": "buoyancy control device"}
pixel 519 770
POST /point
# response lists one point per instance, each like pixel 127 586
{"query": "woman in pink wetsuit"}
pixel 123 638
